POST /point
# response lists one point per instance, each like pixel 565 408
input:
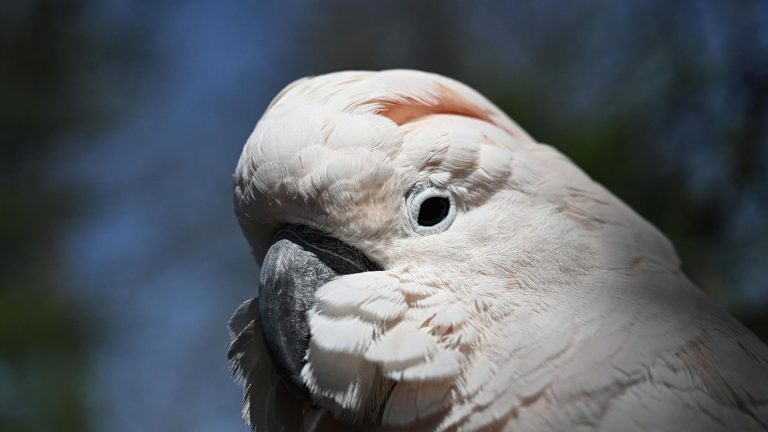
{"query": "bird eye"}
pixel 433 211
pixel 430 210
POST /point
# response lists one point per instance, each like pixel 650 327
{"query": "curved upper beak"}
pixel 300 260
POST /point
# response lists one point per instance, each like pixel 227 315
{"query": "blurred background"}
pixel 121 124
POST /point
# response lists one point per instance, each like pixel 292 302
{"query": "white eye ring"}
pixel 430 210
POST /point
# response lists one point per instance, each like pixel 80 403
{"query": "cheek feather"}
pixel 348 335
pixel 405 335
pixel 371 296
pixel 402 346
pixel 410 401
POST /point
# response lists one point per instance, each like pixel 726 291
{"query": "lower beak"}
pixel 300 260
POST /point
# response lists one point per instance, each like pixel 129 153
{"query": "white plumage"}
pixel 547 304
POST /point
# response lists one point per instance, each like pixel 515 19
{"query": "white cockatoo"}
pixel 427 265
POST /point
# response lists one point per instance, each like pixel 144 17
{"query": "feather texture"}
pixel 548 304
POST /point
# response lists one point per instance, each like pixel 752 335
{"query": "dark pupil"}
pixel 433 210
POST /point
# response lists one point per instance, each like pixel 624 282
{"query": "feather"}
pixel 402 345
pixel 452 315
pixel 409 402
pixel 343 335
pixel 349 294
pixel 382 310
pixel 442 365
pixel 415 289
pixel 264 400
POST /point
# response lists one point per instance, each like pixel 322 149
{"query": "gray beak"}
pixel 300 260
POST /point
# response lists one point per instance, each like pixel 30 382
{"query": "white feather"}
pixel 344 335
pixel 452 315
pixel 382 310
pixel 402 345
pixel 409 402
pixel 415 289
pixel 441 365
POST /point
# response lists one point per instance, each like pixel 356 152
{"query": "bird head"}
pixel 416 246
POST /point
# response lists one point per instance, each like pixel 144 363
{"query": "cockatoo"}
pixel 427 265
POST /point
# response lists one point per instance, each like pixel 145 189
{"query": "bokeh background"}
pixel 121 123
